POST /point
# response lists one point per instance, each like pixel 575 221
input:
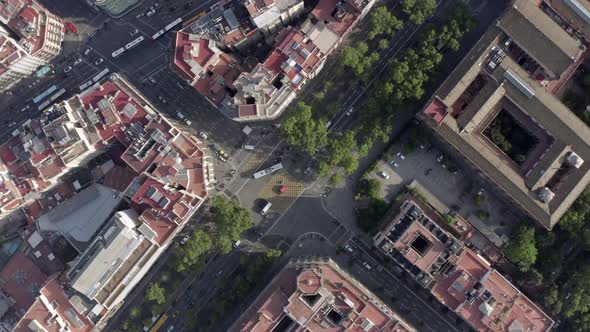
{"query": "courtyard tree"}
pixel 578 286
pixel 418 10
pixel 522 249
pixel 303 131
pixel 382 21
pixel 336 179
pixel 383 44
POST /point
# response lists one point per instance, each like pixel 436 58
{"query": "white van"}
pixel 248 147
pixel 265 208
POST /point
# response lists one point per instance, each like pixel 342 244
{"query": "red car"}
pixel 71 27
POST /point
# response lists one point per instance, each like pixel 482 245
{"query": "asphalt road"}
pixel 150 60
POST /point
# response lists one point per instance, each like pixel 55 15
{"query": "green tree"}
pixel 383 44
pixel 522 249
pixel 323 169
pixel 340 149
pixel 382 21
pixel 336 179
pixel 578 301
pixel 532 277
pixel 189 254
pixel 230 220
pixel 418 10
pixel 155 293
pixel 370 217
pixel 576 218
pixel 303 131
pixel 357 59
pixel 552 300
pixel 373 188
pixel 135 312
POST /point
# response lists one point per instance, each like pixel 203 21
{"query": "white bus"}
pixel 100 75
pixel 167 28
pixel 118 52
pixel 267 171
pixel 134 43
pixel 51 99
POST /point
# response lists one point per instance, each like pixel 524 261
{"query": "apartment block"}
pixel 30 36
pixel 315 294
pixel 458 277
pixel 507 84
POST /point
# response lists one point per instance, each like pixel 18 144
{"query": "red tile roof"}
pixel 21 279
pixel 39 312
pixel 437 110
pixel 284 295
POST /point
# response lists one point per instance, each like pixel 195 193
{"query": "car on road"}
pixel 99 61
pixel 153 80
pixel 349 112
pixel 170 328
pixel 67 69
pixel 150 12
pixel 162 99
pixel 203 135
pixel 219 274
pixel 12 124
pixel 188 122
pixel 237 243
pixel 394 163
pixel 87 51
pixel 348 248
pixel 26 108
pixel 180 115
pixel 77 62
pixel 173 8
pixel 188 5
pixel 440 158
pixel 367 266
pixel 134 32
pixel 184 239
pixel 384 175
pixel 428 171
pixel 139 15
pixel 401 156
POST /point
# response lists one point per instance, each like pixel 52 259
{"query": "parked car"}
pixel 184 239
pixel 394 164
pixel 401 156
pixel 68 68
pixel 162 99
pixel 349 112
pixel 99 61
pixel 134 32
pixel 180 115
pixel 78 61
pixel 384 175
pixel 440 158
pixel 153 80
pixel 203 135
pixel 88 50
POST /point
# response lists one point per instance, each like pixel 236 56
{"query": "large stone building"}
pixel 497 110
pixel 30 36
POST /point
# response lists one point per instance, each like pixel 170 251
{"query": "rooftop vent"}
pixel 545 195
pixel 574 160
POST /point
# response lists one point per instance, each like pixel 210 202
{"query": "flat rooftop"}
pixel 498 75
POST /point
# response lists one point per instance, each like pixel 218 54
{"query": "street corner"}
pixel 282 190
pixel 251 164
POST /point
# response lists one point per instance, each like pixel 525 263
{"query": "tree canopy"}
pixel 357 59
pixel 418 10
pixel 155 293
pixel 230 220
pixel 522 250
pixel 191 252
pixel 303 131
pixel 340 150
pixel 382 21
